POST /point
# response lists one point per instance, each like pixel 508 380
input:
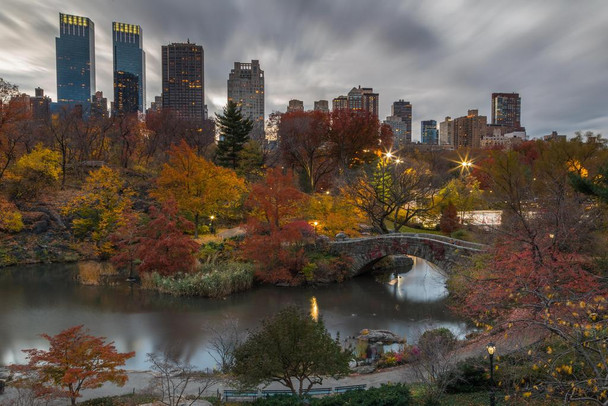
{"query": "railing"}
pixel 254 394
pixel 454 242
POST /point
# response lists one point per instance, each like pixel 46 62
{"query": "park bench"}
pixel 237 394
pixel 319 391
pixel 272 392
pixel 342 389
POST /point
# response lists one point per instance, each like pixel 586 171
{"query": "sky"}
pixel 444 56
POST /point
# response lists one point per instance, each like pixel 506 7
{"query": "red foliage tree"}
pixel 303 145
pixel 126 239
pixel 449 221
pixel 75 361
pixel 163 247
pixel 355 136
pixel 276 200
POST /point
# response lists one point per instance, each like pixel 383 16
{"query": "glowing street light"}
pixel 211 218
pixel 491 350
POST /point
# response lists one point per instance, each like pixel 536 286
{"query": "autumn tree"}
pixel 126 239
pixel 234 132
pixel 60 129
pixel 99 210
pixel 74 362
pixel 162 246
pixel 11 220
pixel 292 349
pixel 199 187
pixel 303 142
pixel 449 221
pixel 354 137
pixel 540 270
pixel 393 190
pixel 276 200
pixel 13 111
pixel 464 193
pixel 334 213
pixel 35 172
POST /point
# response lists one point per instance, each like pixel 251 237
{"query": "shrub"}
pixel 470 376
pixel 385 395
pixel 210 281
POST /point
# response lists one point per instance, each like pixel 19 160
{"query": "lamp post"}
pixel 315 224
pixel 211 218
pixel 491 349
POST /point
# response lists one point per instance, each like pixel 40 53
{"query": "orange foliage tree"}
pixel 199 187
pixel 74 362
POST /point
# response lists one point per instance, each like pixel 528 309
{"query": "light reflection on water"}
pixel 45 299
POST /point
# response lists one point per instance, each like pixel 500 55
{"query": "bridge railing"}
pixel 473 246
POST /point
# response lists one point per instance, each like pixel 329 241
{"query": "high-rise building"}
pixel 506 109
pixel 428 132
pixel 75 53
pixel 129 58
pixel 363 99
pixel 322 105
pixel 183 81
pixel 40 105
pixel 399 128
pixel 99 105
pixel 246 89
pixel 295 105
pixel 340 103
pixel 469 129
pixel 126 93
pixel 156 105
pixel 403 109
pixel 446 131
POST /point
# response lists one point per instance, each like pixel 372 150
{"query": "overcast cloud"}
pixel 444 56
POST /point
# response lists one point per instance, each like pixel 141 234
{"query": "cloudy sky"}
pixel 444 56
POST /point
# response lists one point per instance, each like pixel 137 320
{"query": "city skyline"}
pixel 319 50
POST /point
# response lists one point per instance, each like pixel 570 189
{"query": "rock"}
pixel 32 217
pixel 384 336
pixel 341 236
pixel 364 369
pixel 40 227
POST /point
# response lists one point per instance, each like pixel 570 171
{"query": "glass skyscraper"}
pixel 75 52
pixel 129 57
pixel 429 133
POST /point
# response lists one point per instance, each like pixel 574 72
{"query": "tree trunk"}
pixel 196 225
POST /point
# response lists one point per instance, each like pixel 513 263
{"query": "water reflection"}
pixel 46 299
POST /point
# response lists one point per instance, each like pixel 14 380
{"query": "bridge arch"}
pixel 443 251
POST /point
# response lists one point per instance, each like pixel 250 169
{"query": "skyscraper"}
pixel 295 105
pixel 75 53
pixel 339 103
pixel 246 89
pixel 506 109
pixel 399 128
pixel 428 132
pixel 129 58
pixel 403 109
pixel 446 131
pixel 321 105
pixel 469 129
pixel 126 93
pixel 363 99
pixel 183 81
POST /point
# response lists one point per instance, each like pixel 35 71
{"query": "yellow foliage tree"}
pixel 10 217
pixel 200 188
pixel 100 209
pixel 35 172
pixel 334 214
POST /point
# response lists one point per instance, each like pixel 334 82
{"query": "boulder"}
pixel 384 336
pixel 341 236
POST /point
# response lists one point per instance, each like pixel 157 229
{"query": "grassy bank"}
pixel 210 281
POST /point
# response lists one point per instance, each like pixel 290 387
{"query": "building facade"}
pixel 183 82
pixel 403 110
pixel 40 106
pixel 99 105
pixel 506 110
pixel 469 130
pixel 321 105
pixel 446 131
pixel 126 93
pixel 246 89
pixel 400 130
pixel 428 132
pixel 129 58
pixel 339 103
pixel 363 99
pixel 75 57
pixel 295 105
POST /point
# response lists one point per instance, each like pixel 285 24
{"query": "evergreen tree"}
pixel 234 133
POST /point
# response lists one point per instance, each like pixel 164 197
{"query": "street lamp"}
pixel 211 218
pixel 491 349
pixel 315 224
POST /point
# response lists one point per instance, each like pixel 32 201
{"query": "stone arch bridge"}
pixel 440 250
